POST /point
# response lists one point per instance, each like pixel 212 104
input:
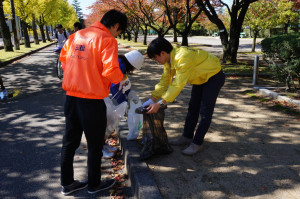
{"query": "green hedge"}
pixel 283 55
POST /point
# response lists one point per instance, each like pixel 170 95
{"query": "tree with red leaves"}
pixel 185 12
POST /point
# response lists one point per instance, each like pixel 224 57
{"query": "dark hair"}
pixel 113 17
pixel 78 25
pixel 58 26
pixel 129 68
pixel 157 46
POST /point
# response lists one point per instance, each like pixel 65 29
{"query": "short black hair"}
pixel 158 45
pixel 78 25
pixel 113 17
pixel 58 26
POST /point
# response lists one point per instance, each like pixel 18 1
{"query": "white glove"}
pixel 125 85
pixel 148 102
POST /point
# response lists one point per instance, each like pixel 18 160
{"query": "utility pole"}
pixel 13 24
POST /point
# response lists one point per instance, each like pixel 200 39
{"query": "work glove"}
pixel 125 85
pixel 148 102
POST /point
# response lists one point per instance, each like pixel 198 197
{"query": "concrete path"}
pixel 31 129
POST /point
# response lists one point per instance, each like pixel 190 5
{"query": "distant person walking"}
pixel 61 36
pixel 90 63
pixel 2 84
pixel 188 65
pixel 3 90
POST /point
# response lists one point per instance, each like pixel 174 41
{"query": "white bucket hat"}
pixel 135 58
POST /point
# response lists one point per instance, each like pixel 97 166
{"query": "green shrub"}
pixel 283 55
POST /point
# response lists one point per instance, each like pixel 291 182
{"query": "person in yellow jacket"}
pixel 193 66
pixel 90 64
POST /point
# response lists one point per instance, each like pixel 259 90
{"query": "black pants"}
pixel 202 102
pixel 88 116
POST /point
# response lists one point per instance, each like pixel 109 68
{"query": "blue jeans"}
pixel 88 116
pixel 202 102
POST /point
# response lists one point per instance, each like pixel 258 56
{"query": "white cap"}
pixel 135 58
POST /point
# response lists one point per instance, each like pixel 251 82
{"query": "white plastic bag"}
pixel 135 121
pixel 114 114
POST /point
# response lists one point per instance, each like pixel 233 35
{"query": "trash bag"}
pixel 114 114
pixel 155 138
pixel 134 120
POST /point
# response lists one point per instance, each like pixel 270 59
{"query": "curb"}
pixel 264 91
pixel 141 179
pixel 2 64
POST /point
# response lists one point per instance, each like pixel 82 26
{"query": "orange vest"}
pixel 90 63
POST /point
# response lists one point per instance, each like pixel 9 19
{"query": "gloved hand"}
pixel 148 102
pixel 125 85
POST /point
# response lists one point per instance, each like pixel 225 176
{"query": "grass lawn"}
pixel 138 45
pixel 5 56
pixel 243 68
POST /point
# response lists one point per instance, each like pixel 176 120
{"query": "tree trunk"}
pixel 285 28
pixel 175 22
pixel 128 35
pixel 52 32
pixel 136 35
pixel 255 33
pixel 26 36
pixel 175 35
pixel 47 34
pixel 35 34
pixel 234 49
pixel 225 45
pixel 184 39
pixel 145 35
pixel 5 30
pixel 13 24
pixel 237 18
pixel 42 33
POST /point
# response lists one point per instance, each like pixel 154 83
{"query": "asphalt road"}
pixel 31 129
pixel 215 42
pixel 245 43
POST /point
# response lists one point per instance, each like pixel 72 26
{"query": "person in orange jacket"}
pixel 90 63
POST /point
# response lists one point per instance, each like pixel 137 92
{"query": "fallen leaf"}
pixel 263 188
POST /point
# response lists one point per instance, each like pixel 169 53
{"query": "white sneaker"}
pixel 181 141
pixel 107 147
pixel 192 149
pixel 107 154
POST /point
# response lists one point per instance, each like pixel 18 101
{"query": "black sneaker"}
pixel 103 186
pixel 75 186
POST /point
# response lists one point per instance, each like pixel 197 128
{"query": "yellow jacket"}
pixel 188 65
